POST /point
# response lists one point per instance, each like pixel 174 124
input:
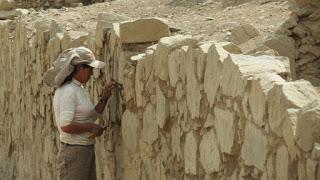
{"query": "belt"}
pixel 66 144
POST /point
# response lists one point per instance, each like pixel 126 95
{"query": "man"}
pixel 75 114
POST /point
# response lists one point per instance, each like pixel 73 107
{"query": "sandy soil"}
pixel 212 18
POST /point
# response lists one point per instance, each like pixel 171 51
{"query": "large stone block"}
pixel 175 59
pixel 166 46
pixel 7 4
pixel 141 30
pixel 255 147
pixel 190 153
pixel 285 46
pixel 162 108
pixel 212 74
pixel 225 124
pixel 289 132
pixel 130 130
pixel 140 78
pixel 150 127
pixel 176 141
pixel 74 39
pixel 216 54
pixel 237 69
pixel 192 85
pixel 282 164
pixel 243 33
pixel 105 22
pixel 308 125
pixel 259 90
pixel 312 168
pixel 209 153
pixel 294 94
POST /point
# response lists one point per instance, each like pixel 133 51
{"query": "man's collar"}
pixel 77 82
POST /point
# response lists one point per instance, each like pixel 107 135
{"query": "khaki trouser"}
pixel 76 162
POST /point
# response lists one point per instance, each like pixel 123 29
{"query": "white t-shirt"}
pixel 72 103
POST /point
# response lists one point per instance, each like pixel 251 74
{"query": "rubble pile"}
pixel 304 28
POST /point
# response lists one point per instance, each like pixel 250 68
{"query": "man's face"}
pixel 84 73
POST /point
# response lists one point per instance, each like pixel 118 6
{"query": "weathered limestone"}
pixel 289 132
pixel 225 124
pixel 295 94
pixel 285 46
pixel 162 108
pixel 167 45
pixel 209 153
pixel 259 90
pixel 282 163
pixel 150 128
pixel 190 153
pixel 237 69
pixel 141 30
pixel 308 126
pixel 105 21
pixel 255 147
pixel 243 33
pixel 193 85
pixel 130 131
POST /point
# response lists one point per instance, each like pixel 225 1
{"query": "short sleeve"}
pixel 67 107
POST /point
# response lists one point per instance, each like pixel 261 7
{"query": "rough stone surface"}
pixel 307 133
pixel 295 94
pixel 243 33
pixel 238 68
pixel 141 30
pixel 190 154
pixel 285 46
pixel 225 124
pixel 282 163
pixel 209 153
pixel 255 147
pixel 259 90
pixel 130 131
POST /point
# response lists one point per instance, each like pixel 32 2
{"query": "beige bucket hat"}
pixel 64 65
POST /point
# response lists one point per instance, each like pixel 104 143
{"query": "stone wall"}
pixel 189 109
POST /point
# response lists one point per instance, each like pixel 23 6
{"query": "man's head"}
pixel 72 63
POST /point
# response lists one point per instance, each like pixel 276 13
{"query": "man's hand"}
pixel 106 92
pixel 96 130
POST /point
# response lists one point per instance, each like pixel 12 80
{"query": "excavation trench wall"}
pixel 304 27
pixel 189 109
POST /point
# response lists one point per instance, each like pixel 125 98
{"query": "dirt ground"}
pixel 212 18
